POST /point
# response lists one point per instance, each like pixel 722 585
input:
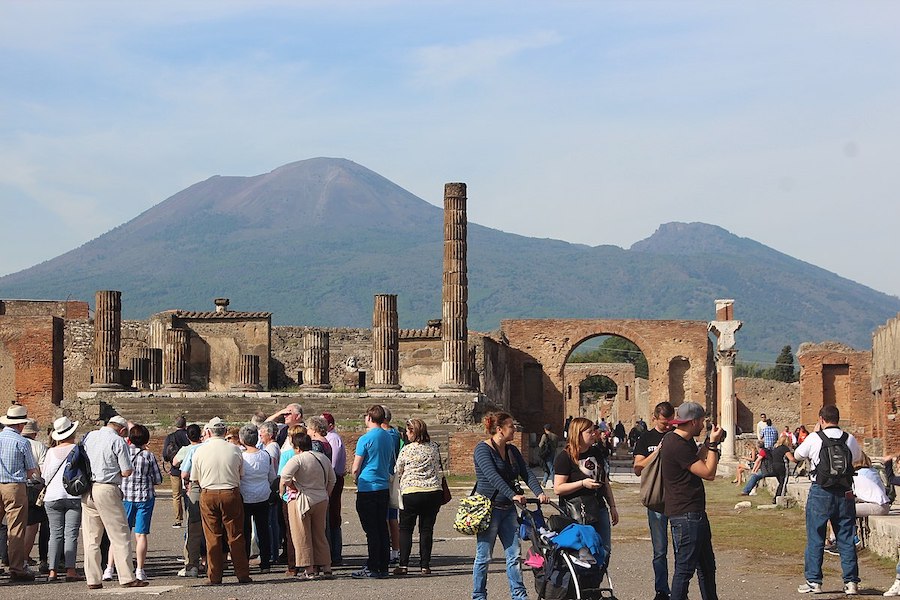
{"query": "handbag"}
pixel 584 509
pixel 395 500
pixel 34 487
pixel 652 492
pixel 473 515
pixel 445 490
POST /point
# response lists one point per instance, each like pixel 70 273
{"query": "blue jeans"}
pixel 65 523
pixel 823 506
pixel 754 479
pixel 548 471
pixel 604 530
pixel 504 524
pixel 692 541
pixel 659 538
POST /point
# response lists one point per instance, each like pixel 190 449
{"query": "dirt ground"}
pixel 759 555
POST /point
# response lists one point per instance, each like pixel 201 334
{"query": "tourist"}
pixel 217 466
pixel 317 430
pixel 267 432
pixel 582 484
pixel 619 431
pixel 233 436
pixel 16 465
pixel 769 435
pixel 771 463
pixel 746 463
pixel 372 464
pixel 419 471
pixel 829 500
pixel 139 496
pixel 172 443
pixel 256 487
pixel 646 444
pixel 102 510
pixel 339 463
pixel 498 464
pixel 307 480
pixel 760 425
pixel 287 453
pixel 547 453
pixel 37 516
pixel 292 414
pixel 868 490
pixel 193 541
pixel 393 512
pixel 683 469
pixel 892 479
pixel 63 509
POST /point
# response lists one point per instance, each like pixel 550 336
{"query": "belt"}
pixel 227 490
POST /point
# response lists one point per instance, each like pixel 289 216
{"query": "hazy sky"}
pixel 591 122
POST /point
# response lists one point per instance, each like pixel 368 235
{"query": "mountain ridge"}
pixel 313 240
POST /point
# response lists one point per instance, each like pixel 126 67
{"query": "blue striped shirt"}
pixel 16 458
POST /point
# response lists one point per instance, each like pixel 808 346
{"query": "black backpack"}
pixel 835 468
pixel 77 471
pixel 170 448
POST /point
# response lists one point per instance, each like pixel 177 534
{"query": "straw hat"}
pixel 63 427
pixel 15 415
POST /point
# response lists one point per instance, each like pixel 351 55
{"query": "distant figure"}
pixel 760 425
pixel 566 427
pixel 619 431
pixel 547 453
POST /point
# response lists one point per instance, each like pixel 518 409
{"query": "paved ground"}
pixel 740 575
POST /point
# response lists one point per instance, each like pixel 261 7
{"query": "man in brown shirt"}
pixel 217 466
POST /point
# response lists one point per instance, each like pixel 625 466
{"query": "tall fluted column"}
pixel 248 374
pixel 154 357
pixel 107 340
pixel 455 373
pixel 175 360
pixel 385 344
pixel 724 327
pixel 316 360
pixel 140 368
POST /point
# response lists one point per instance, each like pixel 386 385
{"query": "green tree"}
pixel 615 350
pixel 784 366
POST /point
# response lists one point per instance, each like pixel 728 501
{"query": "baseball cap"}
pixel 213 422
pixel 118 420
pixel 329 418
pixel 687 412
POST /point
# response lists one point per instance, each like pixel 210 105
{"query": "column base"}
pixel 246 388
pixel 175 387
pixel 107 387
pixel 324 387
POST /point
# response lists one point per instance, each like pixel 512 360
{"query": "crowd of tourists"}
pixel 271 489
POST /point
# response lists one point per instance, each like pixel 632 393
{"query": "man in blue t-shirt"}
pixel 372 466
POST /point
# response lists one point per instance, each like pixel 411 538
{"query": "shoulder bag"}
pixel 652 493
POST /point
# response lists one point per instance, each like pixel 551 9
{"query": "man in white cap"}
pixel 102 508
pixel 217 466
pixel 684 468
pixel 16 465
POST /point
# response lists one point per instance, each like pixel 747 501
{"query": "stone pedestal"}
pixel 385 344
pixel 175 361
pixel 248 374
pixel 455 374
pixel 107 340
pixel 316 361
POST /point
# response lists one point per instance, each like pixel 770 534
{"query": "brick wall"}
pixel 833 373
pixel 31 364
pixel 778 400
pixel 64 309
pixel 462 448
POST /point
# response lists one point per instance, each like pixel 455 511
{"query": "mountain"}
pixel 312 241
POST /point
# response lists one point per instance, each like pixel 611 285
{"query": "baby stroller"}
pixel 560 573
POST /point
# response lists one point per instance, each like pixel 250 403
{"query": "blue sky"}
pixel 591 122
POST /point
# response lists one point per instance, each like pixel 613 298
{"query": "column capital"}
pixel 724 332
pixel 726 358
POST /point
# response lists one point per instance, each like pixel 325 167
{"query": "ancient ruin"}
pixel 724 328
pixel 107 340
pixel 455 291
pixel 385 344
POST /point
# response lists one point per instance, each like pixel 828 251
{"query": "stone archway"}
pixel 622 374
pixel 544 345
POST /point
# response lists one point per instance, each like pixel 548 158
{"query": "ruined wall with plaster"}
pixel 31 364
pixel 779 401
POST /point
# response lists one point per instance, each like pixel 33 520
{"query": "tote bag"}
pixel 652 493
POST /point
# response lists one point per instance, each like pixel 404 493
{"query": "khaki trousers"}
pixel 177 497
pixel 308 534
pixel 14 506
pixel 222 512
pixel 193 544
pixel 102 510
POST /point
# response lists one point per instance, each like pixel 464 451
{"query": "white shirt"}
pixel 54 460
pixel 759 427
pixel 867 487
pixel 813 444
pixel 259 473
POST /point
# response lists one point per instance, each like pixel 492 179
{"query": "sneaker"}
pixel 851 588
pixel 857 542
pixel 752 492
pixel 109 574
pixel 141 574
pixel 189 572
pixel 44 568
pixel 894 590
pixel 395 557
pixel 810 587
pixel 832 549
pixel 176 525
pixel 364 573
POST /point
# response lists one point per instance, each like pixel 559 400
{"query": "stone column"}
pixel 107 340
pixel 248 374
pixel 724 329
pixel 385 344
pixel 175 360
pixel 316 360
pixel 455 373
pixel 140 369
pixel 154 357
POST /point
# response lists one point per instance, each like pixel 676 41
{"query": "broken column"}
pixel 248 374
pixel 175 360
pixel 455 292
pixel 385 344
pixel 724 328
pixel 316 360
pixel 107 340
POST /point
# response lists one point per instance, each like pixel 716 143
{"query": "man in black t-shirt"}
pixel 659 524
pixel 683 469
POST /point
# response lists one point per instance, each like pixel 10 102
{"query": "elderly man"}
pixel 16 465
pixel 217 466
pixel 194 538
pixel 339 463
pixel 292 414
pixel 102 508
